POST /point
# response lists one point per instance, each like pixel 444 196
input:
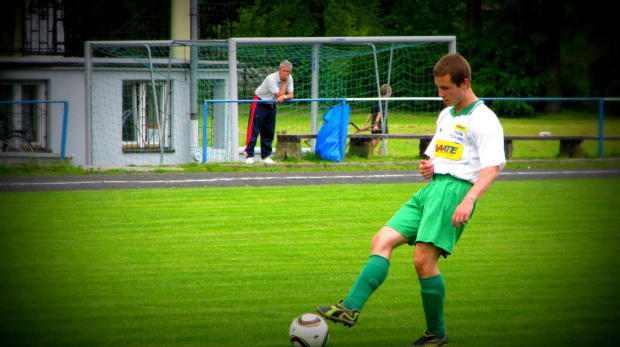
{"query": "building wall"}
pixel 64 84
pixel 107 109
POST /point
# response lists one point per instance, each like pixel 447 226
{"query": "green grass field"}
pixel 537 266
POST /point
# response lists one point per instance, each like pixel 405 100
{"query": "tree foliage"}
pixel 517 48
pixel 300 18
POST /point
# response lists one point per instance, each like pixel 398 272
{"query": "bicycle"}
pixel 14 141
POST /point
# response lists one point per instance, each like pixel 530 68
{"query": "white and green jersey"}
pixel 467 142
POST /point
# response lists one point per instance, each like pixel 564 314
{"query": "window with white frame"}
pixel 30 119
pixel 145 120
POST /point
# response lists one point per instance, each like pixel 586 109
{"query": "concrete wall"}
pixel 64 84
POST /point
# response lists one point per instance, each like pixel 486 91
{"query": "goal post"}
pixel 142 107
pixel 233 59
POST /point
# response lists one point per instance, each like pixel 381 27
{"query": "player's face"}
pixel 284 72
pixel 450 93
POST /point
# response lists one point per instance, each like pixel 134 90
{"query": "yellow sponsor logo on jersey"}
pixel 461 127
pixel 448 150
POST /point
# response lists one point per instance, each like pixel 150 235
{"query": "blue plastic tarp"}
pixel 331 140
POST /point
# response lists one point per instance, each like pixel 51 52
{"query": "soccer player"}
pixel 466 155
pixel 277 86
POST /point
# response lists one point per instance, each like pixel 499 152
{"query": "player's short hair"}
pixel 286 63
pixel 385 90
pixel 454 65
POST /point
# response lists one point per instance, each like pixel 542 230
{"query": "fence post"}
pixel 600 127
pixel 65 117
pixel 204 131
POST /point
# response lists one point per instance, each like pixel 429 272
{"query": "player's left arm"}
pixel 484 181
pixel 488 136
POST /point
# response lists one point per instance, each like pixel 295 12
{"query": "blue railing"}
pixel 205 112
pixel 600 101
pixel 65 118
pixel 601 108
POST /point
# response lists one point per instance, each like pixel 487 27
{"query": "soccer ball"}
pixel 308 330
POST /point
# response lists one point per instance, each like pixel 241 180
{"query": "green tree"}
pixel 300 18
pixel 275 18
pixel 517 48
pixel 512 53
pixel 543 48
pixel 217 19
pixel 421 17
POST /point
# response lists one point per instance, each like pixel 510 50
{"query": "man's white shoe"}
pixel 268 161
pixel 249 160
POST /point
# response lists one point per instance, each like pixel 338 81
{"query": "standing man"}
pixel 466 156
pixel 277 86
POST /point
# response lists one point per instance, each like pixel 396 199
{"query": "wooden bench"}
pixel 289 146
pixel 570 146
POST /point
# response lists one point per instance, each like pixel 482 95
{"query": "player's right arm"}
pixel 281 94
pixel 427 168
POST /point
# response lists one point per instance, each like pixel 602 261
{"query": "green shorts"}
pixel 427 217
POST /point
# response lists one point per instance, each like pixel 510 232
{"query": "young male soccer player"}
pixel 466 156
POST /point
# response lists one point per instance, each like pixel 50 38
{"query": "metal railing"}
pixel 64 118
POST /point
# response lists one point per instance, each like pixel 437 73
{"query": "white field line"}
pixel 207 180
pixel 268 178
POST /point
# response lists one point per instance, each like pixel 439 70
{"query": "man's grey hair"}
pixel 286 63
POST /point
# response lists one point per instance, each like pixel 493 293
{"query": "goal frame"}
pixel 229 139
pixel 232 66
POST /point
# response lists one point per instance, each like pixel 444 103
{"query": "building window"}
pixel 44 27
pixel 145 122
pixel 28 118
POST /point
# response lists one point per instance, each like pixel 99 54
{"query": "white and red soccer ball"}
pixel 308 330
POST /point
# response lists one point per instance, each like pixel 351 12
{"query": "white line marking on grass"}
pixel 271 178
pixel 558 172
pixel 206 180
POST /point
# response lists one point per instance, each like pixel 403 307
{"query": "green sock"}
pixel 433 294
pixel 371 277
